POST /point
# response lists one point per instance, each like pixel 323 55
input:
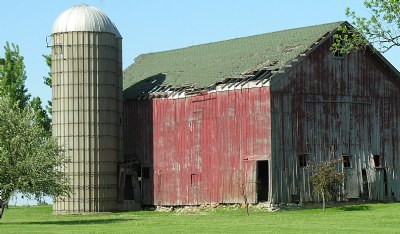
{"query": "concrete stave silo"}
pixel 87 106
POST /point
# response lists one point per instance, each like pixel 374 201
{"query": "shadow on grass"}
pixel 71 222
pixel 355 208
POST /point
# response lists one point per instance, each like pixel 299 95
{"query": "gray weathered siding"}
pixel 327 107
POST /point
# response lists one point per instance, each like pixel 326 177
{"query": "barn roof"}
pixel 205 65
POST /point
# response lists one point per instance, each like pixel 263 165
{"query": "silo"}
pixel 87 106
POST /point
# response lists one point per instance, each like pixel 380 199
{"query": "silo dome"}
pixel 84 18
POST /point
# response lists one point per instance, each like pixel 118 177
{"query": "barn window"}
pixel 378 161
pixel 338 53
pixel 339 44
pixel 346 159
pixel 302 160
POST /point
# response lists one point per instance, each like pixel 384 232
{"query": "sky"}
pixel 157 25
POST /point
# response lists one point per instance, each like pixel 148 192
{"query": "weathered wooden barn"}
pixel 214 122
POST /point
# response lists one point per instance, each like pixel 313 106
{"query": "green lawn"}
pixel 364 218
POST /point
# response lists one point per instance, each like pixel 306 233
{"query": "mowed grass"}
pixel 363 218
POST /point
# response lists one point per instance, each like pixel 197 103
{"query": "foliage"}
pixel 13 76
pixel 13 91
pixel 347 219
pixel 29 158
pixel 40 115
pixel 326 180
pixel 48 80
pixel 348 40
pixel 12 85
pixel 381 28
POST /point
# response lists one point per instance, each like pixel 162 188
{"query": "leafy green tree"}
pixel 13 76
pixel 381 28
pixel 12 84
pixel 12 87
pixel 326 180
pixel 30 159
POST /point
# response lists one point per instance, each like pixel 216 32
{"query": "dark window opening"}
pixel 385 182
pixel 262 181
pixel 346 159
pixel 302 160
pixel 365 193
pixel 338 53
pixel 379 161
pixel 128 191
pixel 146 172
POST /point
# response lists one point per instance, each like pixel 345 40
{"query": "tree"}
pixel 381 28
pixel 13 76
pixel 12 84
pixel 30 159
pixel 12 89
pixel 325 179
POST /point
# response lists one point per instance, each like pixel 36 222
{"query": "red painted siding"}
pixel 202 149
pixel 206 148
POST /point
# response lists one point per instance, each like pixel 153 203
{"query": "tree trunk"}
pixel 2 205
pixel 244 194
pixel 323 200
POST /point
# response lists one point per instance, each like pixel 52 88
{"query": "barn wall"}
pixel 326 107
pixel 138 143
pixel 201 148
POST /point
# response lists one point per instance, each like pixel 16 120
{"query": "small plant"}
pixel 326 180
pixel 243 189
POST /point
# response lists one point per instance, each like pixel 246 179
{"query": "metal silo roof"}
pixel 84 18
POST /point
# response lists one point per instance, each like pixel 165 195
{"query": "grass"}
pixel 364 218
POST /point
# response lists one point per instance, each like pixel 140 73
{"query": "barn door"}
pixel 365 192
pixel 262 181
pixel 352 184
pixel 194 161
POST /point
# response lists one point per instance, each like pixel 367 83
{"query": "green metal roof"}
pixel 204 65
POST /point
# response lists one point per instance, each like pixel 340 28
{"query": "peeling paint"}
pixel 212 146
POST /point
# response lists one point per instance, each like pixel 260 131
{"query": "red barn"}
pixel 213 123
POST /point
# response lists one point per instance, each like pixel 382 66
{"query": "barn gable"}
pixel 224 120
pixel 327 107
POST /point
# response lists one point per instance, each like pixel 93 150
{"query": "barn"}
pixel 218 122
pixel 222 122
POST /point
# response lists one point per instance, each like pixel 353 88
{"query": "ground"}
pixel 357 218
